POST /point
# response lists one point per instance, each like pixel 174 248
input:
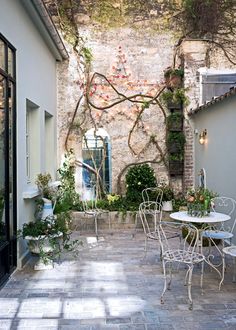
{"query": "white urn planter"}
pixel 167 206
pixel 42 244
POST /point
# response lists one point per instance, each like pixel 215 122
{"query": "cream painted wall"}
pixel 36 81
pixel 218 155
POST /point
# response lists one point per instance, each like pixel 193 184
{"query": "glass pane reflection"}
pixel 10 62
pixel 10 145
pixel 2 159
pixel 2 55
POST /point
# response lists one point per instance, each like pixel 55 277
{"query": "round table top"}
pixel 213 217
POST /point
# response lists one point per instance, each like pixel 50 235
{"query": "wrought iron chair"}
pixel 149 211
pixel 153 195
pixel 185 253
pixel 90 208
pixel 224 232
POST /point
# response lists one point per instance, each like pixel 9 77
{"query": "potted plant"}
pixel 176 164
pixel 176 142
pixel 174 99
pixel 173 77
pixel 48 234
pixel 167 199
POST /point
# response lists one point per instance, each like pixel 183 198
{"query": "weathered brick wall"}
pixel 147 55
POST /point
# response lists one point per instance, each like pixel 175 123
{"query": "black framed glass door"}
pixel 8 226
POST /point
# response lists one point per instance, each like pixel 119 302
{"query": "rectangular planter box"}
pixel 109 221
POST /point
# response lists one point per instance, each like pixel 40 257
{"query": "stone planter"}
pixel 41 245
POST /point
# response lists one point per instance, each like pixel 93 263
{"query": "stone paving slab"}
pixel 112 285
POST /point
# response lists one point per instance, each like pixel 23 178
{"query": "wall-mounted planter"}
pixel 176 167
pixel 175 122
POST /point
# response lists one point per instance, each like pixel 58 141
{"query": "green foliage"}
pixel 121 205
pixel 175 119
pixel 87 53
pixel 43 182
pixel 68 199
pixel 138 178
pixel 168 193
pixel 178 138
pixel 176 97
pixel 174 72
pixel 176 157
pixel 179 204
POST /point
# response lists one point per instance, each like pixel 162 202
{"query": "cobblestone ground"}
pixel 111 285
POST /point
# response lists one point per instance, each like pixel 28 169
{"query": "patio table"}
pixel 212 218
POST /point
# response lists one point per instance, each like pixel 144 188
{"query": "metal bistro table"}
pixel 212 218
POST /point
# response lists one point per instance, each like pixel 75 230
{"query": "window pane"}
pixel 2 160
pixel 2 55
pixel 10 62
pixel 10 146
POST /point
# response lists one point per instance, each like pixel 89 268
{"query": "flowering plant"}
pixel 199 201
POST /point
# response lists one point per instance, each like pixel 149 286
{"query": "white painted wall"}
pixel 36 81
pixel 218 155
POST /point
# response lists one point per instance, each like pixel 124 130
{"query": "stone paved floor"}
pixel 111 286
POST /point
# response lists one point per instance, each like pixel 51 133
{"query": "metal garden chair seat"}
pixel 185 253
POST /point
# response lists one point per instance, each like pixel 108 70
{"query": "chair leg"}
pixel 170 272
pixel 96 225
pixel 190 287
pixel 165 281
pixel 145 247
pixel 202 274
pixel 223 270
pixel 234 271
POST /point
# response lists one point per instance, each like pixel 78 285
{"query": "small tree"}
pixel 138 178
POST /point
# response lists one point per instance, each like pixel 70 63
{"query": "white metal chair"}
pixel 150 212
pixel 154 194
pixel 90 208
pixel 185 253
pixel 230 250
pixel 224 232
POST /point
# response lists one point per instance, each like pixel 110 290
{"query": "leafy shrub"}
pixel 68 198
pixel 121 205
pixel 138 178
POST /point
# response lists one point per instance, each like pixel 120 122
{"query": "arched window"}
pixel 96 152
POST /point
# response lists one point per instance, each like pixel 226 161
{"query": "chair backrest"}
pixel 154 194
pixel 147 212
pixel 89 199
pixel 226 205
pixel 187 241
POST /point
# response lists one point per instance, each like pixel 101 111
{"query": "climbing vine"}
pixel 101 95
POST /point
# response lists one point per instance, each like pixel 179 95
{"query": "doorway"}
pixel 8 227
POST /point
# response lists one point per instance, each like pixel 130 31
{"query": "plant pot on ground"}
pixel 48 234
pixel 168 196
